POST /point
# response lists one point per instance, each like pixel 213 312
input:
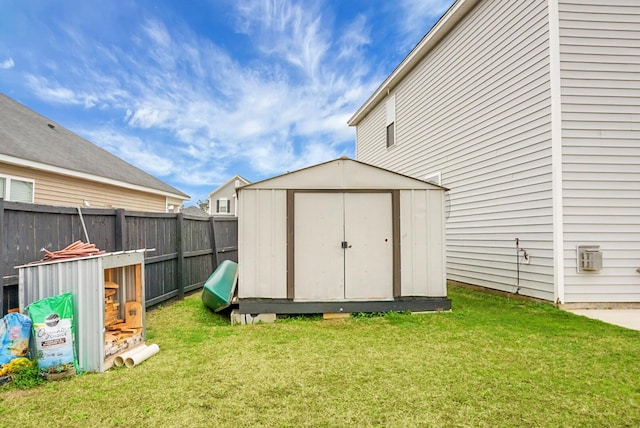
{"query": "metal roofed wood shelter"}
pixel 86 279
pixel 341 236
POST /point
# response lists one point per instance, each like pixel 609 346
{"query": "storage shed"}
pixel 340 237
pixel 108 301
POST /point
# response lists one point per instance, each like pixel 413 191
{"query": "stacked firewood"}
pixel 110 305
pixel 120 333
pixel 77 249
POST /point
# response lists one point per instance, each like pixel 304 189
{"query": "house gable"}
pixel 222 201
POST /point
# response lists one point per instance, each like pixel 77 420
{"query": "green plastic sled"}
pixel 219 288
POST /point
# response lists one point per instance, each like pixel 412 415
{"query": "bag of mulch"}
pixel 54 336
pixel 15 330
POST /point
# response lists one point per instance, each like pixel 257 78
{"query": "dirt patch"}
pixel 15 393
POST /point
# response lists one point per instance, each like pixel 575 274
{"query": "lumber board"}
pixel 133 314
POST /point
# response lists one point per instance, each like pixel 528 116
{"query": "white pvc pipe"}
pixel 139 357
pixel 119 361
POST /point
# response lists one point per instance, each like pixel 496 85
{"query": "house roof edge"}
pixel 449 20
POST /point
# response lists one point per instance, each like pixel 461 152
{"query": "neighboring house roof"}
pixel 448 21
pixel 243 181
pixel 29 139
pixel 194 212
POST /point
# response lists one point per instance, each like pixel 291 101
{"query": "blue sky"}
pixel 194 92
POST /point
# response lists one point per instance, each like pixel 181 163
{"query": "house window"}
pixel 223 205
pixel 16 189
pixel 391 120
pixel 391 134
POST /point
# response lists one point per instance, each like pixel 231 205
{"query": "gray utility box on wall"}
pixel 108 301
pixel 589 258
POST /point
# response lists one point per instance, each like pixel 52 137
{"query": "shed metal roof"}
pixel 343 173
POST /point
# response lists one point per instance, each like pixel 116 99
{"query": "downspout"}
pixel 556 150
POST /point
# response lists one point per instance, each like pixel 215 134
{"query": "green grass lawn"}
pixel 491 362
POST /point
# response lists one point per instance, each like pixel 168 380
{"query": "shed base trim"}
pixel 284 306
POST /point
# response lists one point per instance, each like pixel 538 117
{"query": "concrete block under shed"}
pixel 238 318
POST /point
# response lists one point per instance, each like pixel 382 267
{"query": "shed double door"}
pixel 343 246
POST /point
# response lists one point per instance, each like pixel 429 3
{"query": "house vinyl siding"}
pixel 226 191
pixel 477 109
pixel 59 190
pixel 371 134
pixel 600 72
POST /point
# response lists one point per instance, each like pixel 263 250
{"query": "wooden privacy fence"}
pixel 183 250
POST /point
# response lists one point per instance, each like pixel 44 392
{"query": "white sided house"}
pixel 341 237
pixel 223 200
pixel 529 111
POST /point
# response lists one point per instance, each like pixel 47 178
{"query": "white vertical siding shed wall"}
pixel 262 243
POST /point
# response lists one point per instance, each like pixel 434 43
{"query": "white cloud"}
pixel 149 116
pixel 185 108
pixel 53 91
pixel 418 16
pixel 132 149
pixel 285 29
pixel 355 37
pixel 7 64
pixel 158 33
pixel 235 111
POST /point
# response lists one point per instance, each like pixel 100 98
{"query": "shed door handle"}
pixel 345 245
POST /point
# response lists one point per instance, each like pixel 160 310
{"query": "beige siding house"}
pixel 42 162
pixel 530 113
pixel 224 200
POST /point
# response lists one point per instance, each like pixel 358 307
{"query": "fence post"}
pixel 214 255
pixel 121 230
pixel 2 257
pixel 180 255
